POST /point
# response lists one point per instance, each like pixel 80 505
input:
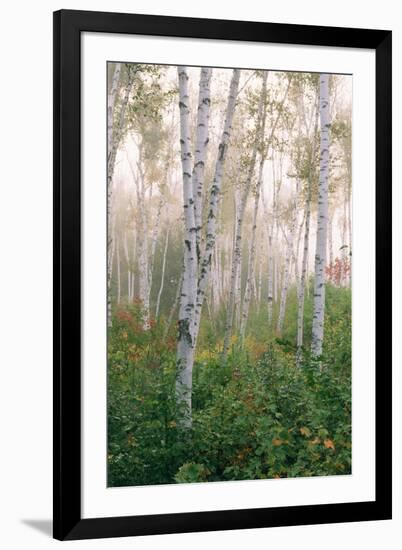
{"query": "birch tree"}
pixel 201 149
pixel 158 301
pixel 304 266
pixel 185 344
pixel 195 281
pixel 110 137
pixel 215 190
pixel 322 222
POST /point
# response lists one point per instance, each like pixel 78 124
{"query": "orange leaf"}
pixel 277 442
pixel 305 431
pixel 329 444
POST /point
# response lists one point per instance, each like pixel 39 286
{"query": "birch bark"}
pixel 322 222
pixel 110 136
pixel 111 101
pixel 270 220
pixel 201 150
pixel 206 262
pixel 185 343
pixel 142 241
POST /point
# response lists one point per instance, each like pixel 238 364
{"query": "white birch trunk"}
pixel 185 343
pixel 111 101
pixel 205 268
pixel 250 266
pixel 143 266
pixel 201 149
pixel 305 259
pixel 322 222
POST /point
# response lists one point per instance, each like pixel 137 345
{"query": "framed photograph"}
pixel 222 274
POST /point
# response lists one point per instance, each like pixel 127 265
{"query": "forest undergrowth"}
pixel 255 414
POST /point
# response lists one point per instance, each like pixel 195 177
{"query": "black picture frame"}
pixel 68 26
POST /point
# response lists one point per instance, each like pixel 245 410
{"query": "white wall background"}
pixel 26 272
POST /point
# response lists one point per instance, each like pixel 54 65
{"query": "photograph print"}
pixel 229 320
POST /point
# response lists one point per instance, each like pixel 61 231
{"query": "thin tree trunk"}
pixel 114 140
pixel 304 269
pixel 236 263
pixel 142 229
pixel 251 259
pixel 322 222
pixel 133 272
pixel 154 240
pixel 111 101
pixel 270 230
pixel 297 251
pixel 158 301
pixel 276 284
pixel 127 258
pixel 259 284
pixel 288 259
pixel 118 272
pixel 303 276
